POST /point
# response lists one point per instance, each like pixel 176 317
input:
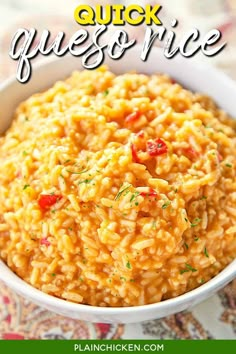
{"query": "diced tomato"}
pixel 19 174
pixel 47 200
pixel 151 193
pixel 132 117
pixel 220 157
pixel 45 242
pixel 191 153
pixel 134 154
pixel 156 147
pixel 140 134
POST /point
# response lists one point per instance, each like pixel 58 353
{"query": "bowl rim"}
pixel 212 285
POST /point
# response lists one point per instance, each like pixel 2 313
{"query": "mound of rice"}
pixel 118 190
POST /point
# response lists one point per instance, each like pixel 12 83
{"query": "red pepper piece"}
pixel 132 117
pixel 156 147
pixel 140 134
pixel 220 157
pixel 45 242
pixel 151 193
pixel 134 154
pixel 191 153
pixel 47 200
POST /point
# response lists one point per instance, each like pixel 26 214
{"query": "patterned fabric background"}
pixel 214 318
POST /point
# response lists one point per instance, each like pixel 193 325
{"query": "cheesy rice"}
pixel 118 190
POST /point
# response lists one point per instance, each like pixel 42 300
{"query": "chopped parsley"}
pixel 228 165
pixel 165 205
pixel 25 153
pixel 105 93
pixel 128 265
pixel 86 181
pixel 134 196
pixel 196 238
pixel 119 194
pixel 123 278
pixel 53 274
pixel 188 268
pixel 186 245
pixel 203 197
pixel 26 186
pixel 195 222
pixel 77 173
pixel 206 253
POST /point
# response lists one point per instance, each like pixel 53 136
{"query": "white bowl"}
pixel 198 78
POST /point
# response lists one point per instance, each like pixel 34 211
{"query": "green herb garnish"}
pixel 206 253
pixel 119 194
pixel 134 196
pixel 186 245
pixel 77 173
pixel 228 165
pixel 188 268
pixel 128 265
pixel 26 186
pixel 165 205
pixel 195 222
pixel 123 278
pixel 105 93
pixel 86 181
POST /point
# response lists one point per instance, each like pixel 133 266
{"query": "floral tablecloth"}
pixel 214 318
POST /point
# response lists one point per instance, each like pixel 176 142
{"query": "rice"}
pixel 118 190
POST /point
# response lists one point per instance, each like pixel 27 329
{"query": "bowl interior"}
pixel 195 77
